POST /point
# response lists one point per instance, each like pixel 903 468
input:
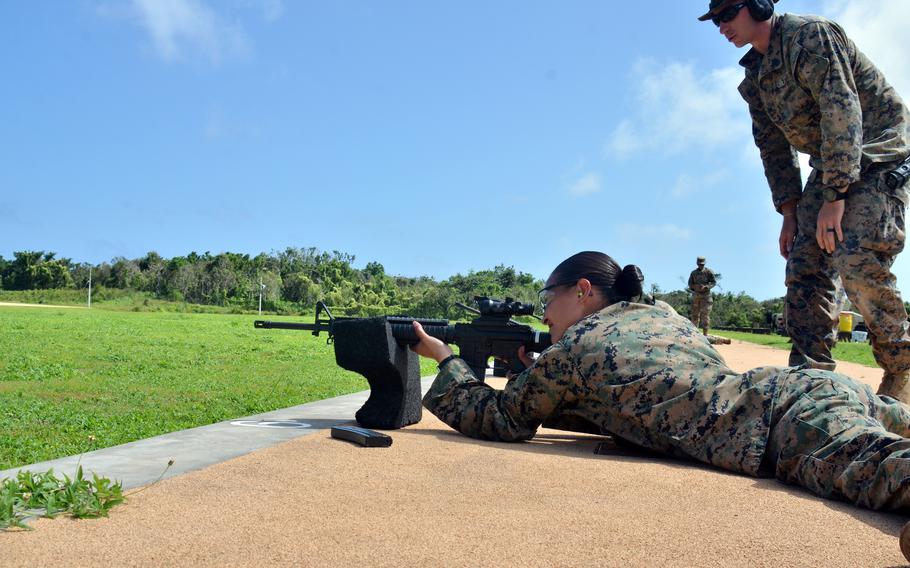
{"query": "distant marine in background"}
pixel 701 280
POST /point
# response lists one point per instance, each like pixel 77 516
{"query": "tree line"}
pixel 293 280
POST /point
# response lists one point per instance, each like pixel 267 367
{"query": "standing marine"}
pixel 701 280
pixel 810 90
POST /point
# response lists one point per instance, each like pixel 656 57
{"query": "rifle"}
pixel 377 348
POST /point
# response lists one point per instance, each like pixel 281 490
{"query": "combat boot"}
pixel 896 385
pixel 905 541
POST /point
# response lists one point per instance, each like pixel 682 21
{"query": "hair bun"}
pixel 628 283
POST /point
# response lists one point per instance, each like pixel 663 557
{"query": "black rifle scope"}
pixel 508 307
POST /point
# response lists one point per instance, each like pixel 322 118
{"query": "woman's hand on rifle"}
pixel 430 346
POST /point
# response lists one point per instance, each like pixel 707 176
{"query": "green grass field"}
pixel 119 376
pixel 67 374
pixel 853 352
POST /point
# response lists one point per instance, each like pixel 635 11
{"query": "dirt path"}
pixel 743 356
pixel 21 305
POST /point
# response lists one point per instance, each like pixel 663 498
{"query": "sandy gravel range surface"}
pixel 435 498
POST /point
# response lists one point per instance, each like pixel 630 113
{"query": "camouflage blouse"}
pixel 815 92
pixel 701 280
pixel 639 372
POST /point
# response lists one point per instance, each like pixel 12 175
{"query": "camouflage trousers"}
pixel 701 310
pixel 873 227
pixel 836 438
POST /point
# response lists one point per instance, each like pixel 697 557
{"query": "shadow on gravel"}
pixel 586 446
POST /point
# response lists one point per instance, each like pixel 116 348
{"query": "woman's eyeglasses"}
pixel 728 14
pixel 545 295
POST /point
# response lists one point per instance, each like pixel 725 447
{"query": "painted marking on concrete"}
pixel 271 423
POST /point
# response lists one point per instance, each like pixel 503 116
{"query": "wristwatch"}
pixel 830 194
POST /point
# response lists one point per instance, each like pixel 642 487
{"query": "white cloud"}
pixel 749 154
pixel 178 27
pixel 684 186
pixel 879 28
pixel 665 232
pixel 687 184
pixel 586 185
pixel 221 124
pixel 679 110
pixel 272 10
pixel 269 10
pixel 625 140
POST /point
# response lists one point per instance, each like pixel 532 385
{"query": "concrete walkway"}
pixel 141 462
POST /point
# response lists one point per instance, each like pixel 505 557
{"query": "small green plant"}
pixel 46 495
pixel 157 479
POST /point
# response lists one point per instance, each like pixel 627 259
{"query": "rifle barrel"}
pixel 289 325
pixel 403 330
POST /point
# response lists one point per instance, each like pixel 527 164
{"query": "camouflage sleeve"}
pixel 692 280
pixel 712 280
pixel 821 58
pixel 778 157
pixel 511 415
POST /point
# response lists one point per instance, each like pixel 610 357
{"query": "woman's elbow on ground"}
pixel 515 435
pixel 495 424
pixel 508 436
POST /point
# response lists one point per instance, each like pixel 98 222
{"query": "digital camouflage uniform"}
pixel 644 374
pixel 815 92
pixel 701 280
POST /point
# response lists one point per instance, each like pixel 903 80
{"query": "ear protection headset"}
pixel 760 10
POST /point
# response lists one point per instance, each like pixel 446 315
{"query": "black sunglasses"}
pixel 728 14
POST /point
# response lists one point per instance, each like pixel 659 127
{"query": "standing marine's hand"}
pixel 828 226
pixel 787 234
pixel 430 346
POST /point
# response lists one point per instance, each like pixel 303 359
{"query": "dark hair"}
pixel 604 274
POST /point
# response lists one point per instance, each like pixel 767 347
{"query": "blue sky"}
pixel 435 138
